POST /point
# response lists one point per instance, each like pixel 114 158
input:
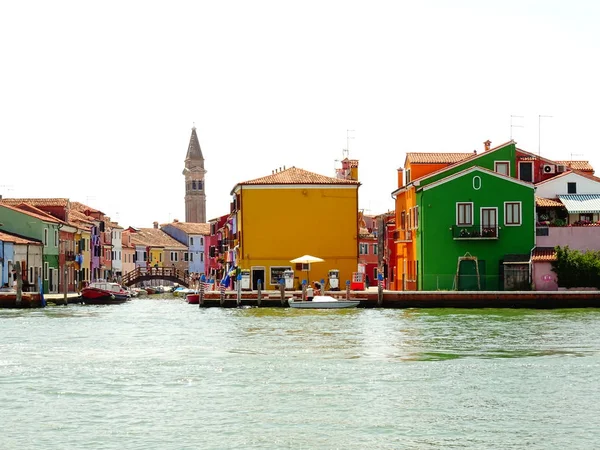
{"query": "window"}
pixel 201 240
pixel 201 257
pixel 571 188
pixel 45 237
pixel 416 217
pixel 45 271
pixel 363 248
pixel 186 256
pixel 277 273
pixel 191 242
pixel 374 249
pixel 407 174
pixel 403 220
pixel 526 171
pixel 174 256
pixel 586 217
pixel 464 214
pixel 191 257
pixel 502 167
pixel 512 213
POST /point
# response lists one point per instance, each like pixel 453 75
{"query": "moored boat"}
pixel 193 298
pixel 103 292
pixel 323 302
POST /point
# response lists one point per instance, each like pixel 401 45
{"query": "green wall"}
pixel 437 249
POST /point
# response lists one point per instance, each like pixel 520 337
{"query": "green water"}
pixel 162 374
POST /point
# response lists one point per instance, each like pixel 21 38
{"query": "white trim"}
pixel 478 169
pixel 46 270
pixel 520 214
pixel 464 224
pixel 480 183
pixel 502 162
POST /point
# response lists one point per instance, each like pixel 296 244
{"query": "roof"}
pixel 155 237
pixel 294 175
pixel 472 156
pixel 570 172
pixel 191 227
pixel 31 211
pixel 516 258
pixel 543 254
pixel 61 202
pixel 470 169
pixel 547 203
pixel 194 150
pixel 83 208
pixel 584 166
pixel 15 239
pixel 581 203
pixel 436 158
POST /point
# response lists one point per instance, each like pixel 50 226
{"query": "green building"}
pixel 33 223
pixel 476 225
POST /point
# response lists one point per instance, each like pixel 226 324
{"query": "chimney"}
pixel 175 220
pixel 155 224
pixel 487 144
pixel 400 177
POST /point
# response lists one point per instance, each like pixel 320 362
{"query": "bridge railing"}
pixel 157 273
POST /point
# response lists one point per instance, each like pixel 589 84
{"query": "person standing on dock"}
pixel 310 293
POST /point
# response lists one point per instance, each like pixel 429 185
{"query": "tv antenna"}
pixel 540 134
pixel 513 125
pixel 346 151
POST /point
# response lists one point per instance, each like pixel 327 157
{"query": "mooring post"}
pixel 19 283
pixel 222 290
pixel 322 286
pixel 303 290
pixel 347 289
pixel 258 286
pixel 201 291
pixel 239 289
pixel 65 277
pixel 379 289
pixel 282 291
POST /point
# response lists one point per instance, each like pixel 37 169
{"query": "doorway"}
pixel 258 273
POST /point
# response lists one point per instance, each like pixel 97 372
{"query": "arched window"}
pixel 194 185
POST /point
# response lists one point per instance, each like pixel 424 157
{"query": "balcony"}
pixel 402 235
pixel 476 232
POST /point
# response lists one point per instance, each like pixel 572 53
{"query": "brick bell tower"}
pixel 193 171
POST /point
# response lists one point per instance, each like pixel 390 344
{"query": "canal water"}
pixel 161 374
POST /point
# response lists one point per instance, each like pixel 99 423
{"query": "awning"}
pixel 581 203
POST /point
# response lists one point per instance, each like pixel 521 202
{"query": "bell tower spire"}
pixel 193 171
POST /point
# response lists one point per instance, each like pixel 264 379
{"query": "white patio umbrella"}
pixel 307 259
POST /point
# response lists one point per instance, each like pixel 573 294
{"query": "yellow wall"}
pixel 156 257
pixel 280 224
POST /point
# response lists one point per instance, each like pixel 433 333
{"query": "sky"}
pixel 98 99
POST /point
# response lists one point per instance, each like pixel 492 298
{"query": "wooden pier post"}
pixel 379 289
pixel 201 291
pixel 303 290
pixel 258 286
pixel 282 291
pixel 222 297
pixel 19 283
pixel 65 276
pixel 347 289
pixel 239 290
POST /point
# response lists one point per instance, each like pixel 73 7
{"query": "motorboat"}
pixel 193 298
pixel 104 292
pixel 323 302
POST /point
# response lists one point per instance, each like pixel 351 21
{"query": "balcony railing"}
pixel 474 232
pixel 403 235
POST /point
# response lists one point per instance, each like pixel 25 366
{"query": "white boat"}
pixel 323 302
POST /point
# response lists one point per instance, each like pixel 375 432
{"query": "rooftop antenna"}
pixel 514 126
pixel 575 154
pixel 540 134
pixel 346 151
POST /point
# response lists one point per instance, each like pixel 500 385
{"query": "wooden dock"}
pixel 418 299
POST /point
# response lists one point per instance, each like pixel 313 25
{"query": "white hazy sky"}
pixel 97 99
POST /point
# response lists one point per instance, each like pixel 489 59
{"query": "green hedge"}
pixel 577 269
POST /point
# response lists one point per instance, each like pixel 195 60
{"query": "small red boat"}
pixel 104 293
pixel 193 299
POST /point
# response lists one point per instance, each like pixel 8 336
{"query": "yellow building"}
pixel 290 213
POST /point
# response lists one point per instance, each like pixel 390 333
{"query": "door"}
pixel 470 276
pixel 258 273
pixel 489 222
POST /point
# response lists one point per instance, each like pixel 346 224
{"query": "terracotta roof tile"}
pixel 294 175
pixel 33 212
pixel 156 238
pixel 436 158
pixel 9 237
pixel 584 166
pixel 543 254
pixel 63 202
pixel 192 228
pixel 83 208
pixel 548 203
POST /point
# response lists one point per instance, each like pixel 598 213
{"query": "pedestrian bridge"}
pixel 156 273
